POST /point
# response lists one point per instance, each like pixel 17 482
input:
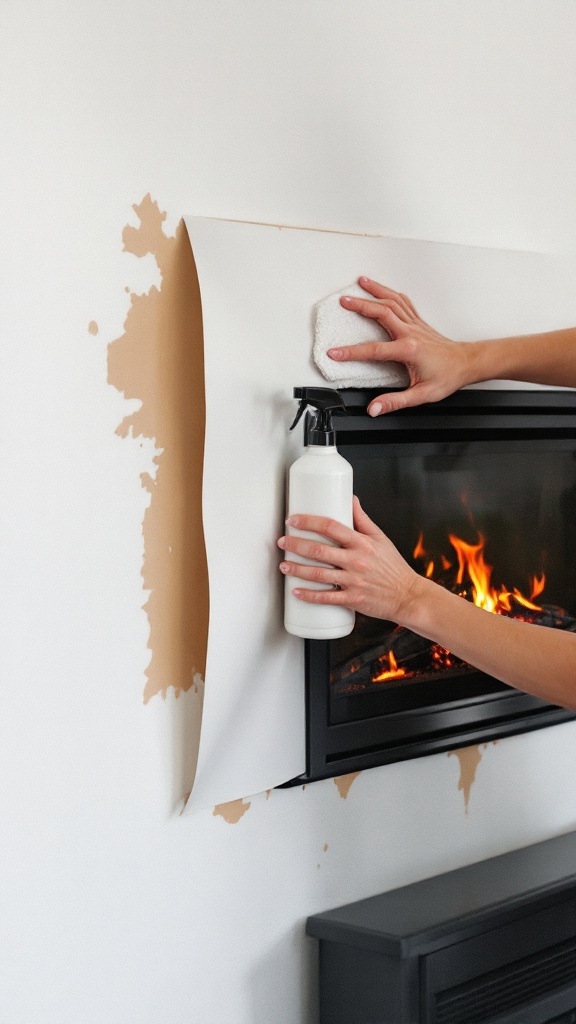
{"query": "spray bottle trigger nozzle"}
pixel 301 409
pixel 324 401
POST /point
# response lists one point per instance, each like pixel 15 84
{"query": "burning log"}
pixel 416 659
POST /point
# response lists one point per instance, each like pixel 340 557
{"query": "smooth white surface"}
pixel 437 119
pixel 253 718
pixel 320 483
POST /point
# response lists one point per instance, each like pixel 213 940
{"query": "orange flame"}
pixel 419 550
pixel 471 562
pixel 473 568
pixel 538 585
pixel 392 672
pixel 473 580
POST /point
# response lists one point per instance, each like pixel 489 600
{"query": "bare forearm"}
pixel 537 659
pixel 369 574
pixel 548 358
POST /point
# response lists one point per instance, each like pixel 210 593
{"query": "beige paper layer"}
pixel 258 287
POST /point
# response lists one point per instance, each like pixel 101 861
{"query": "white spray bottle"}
pixel 319 484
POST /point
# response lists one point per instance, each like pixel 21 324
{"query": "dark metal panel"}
pixel 494 941
pixel 359 987
pixel 420 918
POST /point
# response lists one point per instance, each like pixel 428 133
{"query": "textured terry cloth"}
pixel 335 326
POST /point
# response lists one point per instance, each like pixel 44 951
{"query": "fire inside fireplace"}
pixel 403 656
pixel 478 493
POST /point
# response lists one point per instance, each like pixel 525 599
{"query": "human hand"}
pixel 368 573
pixel 436 365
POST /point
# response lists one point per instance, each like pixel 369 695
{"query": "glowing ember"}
pixel 441 658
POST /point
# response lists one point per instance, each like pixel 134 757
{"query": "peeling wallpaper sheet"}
pixel 258 284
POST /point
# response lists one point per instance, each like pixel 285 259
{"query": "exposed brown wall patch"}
pixel 231 811
pixel 159 359
pixel 469 758
pixel 343 783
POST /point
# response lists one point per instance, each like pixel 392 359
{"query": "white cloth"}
pixel 335 326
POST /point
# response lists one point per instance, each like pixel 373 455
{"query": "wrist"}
pixel 495 359
pixel 416 594
pixel 479 361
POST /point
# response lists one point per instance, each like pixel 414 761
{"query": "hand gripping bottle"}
pixel 319 484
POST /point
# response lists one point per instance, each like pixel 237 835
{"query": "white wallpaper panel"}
pixel 258 285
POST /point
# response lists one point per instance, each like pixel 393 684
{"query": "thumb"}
pixel 417 394
pixel 362 522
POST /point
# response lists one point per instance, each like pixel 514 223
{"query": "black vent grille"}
pixel 521 982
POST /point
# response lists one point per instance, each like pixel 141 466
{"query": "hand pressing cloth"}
pixel 335 326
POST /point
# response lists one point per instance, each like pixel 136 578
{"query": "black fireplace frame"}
pixel 493 941
pixel 334 749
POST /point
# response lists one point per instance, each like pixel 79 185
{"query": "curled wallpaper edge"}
pixel 230 765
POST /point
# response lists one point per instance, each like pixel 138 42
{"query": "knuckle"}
pixel 328 528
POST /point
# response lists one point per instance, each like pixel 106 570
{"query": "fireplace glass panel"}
pixel 494 520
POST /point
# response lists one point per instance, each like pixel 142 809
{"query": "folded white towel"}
pixel 335 326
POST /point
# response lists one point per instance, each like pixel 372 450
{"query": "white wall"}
pixel 444 120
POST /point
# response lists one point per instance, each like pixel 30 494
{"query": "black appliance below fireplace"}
pixel 478 492
pixel 491 943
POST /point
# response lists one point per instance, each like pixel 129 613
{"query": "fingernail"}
pixel 363 279
pixel 347 299
pixel 282 542
pixel 296 592
pixel 292 520
pixel 336 353
pixel 375 409
pixel 284 567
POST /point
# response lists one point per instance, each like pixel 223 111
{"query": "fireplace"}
pixel 491 942
pixel 479 493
